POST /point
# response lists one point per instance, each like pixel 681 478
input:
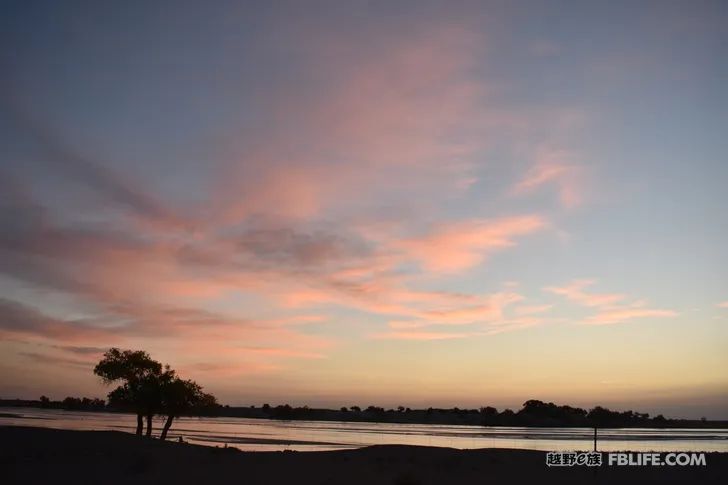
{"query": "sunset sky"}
pixel 338 203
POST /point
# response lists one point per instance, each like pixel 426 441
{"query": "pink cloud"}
pixel 723 304
pixel 459 246
pixel 540 175
pixel 557 167
pixel 379 122
pixel 518 323
pixel 610 307
pixel 419 335
pixel 491 308
pixel 622 315
pixel 488 309
pixel 532 309
pixel 575 292
pixel 194 334
pixel 488 318
pixel 431 330
pixel 228 370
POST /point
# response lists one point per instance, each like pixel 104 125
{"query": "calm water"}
pixel 265 435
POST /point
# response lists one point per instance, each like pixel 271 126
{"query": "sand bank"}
pixel 49 456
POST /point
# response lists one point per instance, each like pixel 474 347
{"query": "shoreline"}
pixel 316 436
pixel 45 455
pixel 685 424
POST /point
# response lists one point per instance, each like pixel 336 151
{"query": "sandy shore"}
pixel 48 456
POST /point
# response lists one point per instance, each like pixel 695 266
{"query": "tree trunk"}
pixel 167 425
pixel 140 424
pixel 149 425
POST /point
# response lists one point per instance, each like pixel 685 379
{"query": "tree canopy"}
pixel 126 365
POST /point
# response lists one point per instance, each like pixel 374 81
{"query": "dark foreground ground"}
pixel 48 456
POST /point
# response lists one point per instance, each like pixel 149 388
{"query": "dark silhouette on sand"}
pixel 49 456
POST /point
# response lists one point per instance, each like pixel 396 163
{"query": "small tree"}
pixel 180 397
pixel 140 376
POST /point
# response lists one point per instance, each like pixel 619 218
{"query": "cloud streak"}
pixel 460 246
pixel 558 167
pixel 611 308
pixel 575 291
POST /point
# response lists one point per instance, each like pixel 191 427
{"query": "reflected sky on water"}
pixel 272 435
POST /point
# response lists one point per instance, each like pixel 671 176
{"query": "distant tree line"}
pixel 534 413
pixel 73 404
pixel 190 400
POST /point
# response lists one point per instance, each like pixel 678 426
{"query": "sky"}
pixel 369 203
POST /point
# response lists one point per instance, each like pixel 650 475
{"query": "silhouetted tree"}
pixel 488 416
pixel 45 402
pixel 140 391
pixel 283 411
pixel 506 417
pixel 600 417
pixel 72 403
pixel 174 396
pixel 179 397
pixel 148 388
pixel 539 413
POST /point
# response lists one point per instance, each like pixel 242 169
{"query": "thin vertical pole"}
pixel 595 438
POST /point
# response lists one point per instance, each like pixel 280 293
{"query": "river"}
pixel 271 435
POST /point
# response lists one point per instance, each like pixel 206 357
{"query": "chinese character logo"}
pixel 572 458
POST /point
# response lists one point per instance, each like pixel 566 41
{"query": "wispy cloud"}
pixel 46 359
pixel 420 335
pixel 194 332
pixel 70 165
pixel 610 307
pixel 575 291
pixel 532 309
pixel 432 330
pixel 557 167
pixel 620 315
pixel 459 246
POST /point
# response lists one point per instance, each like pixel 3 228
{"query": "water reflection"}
pixel 265 435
